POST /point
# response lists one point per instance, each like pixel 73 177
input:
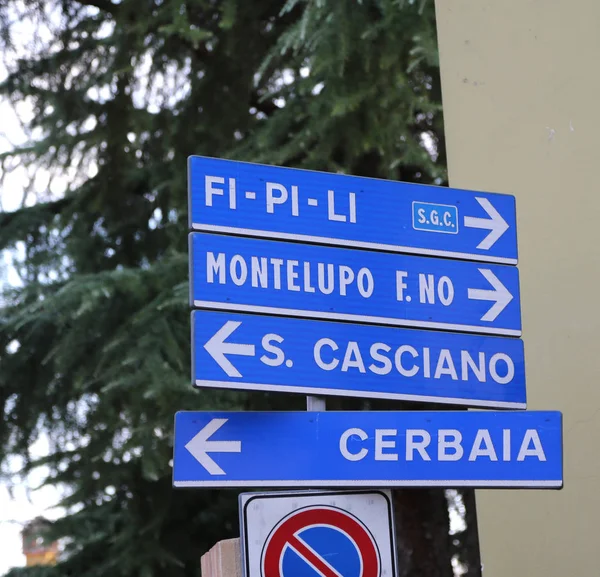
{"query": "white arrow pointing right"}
pixel 495 224
pixel 500 295
pixel 199 446
pixel 217 348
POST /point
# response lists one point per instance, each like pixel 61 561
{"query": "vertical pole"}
pixel 315 404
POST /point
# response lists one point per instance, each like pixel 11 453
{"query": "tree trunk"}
pixel 466 543
pixel 422 533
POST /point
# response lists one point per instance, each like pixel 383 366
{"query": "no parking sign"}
pixel 318 534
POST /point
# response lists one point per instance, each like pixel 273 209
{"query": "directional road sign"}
pixel 284 203
pixel 265 276
pixel 242 351
pixel 373 449
pixel 317 534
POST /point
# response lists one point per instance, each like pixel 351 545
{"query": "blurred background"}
pixel 101 103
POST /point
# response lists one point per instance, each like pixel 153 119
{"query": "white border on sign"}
pixel 355 318
pixel 359 393
pixel 481 257
pixel 507 484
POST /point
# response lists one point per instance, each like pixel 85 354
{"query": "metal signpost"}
pixel 324 284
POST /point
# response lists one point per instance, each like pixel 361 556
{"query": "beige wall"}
pixel 521 94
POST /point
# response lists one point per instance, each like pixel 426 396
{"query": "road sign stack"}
pixel 328 284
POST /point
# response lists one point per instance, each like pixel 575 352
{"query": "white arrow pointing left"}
pixel 500 295
pixel 217 348
pixel 495 224
pixel 199 446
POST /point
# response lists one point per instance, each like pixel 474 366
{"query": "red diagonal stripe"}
pixel 311 558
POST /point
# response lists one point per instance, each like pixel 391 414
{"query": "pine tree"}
pixel 95 337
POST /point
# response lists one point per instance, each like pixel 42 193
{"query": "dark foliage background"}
pixel 95 336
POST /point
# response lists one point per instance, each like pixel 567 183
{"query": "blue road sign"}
pixel 241 351
pixel 376 449
pixel 303 205
pixel 264 276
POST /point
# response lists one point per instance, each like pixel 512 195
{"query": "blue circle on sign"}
pixel 320 541
pixel 331 545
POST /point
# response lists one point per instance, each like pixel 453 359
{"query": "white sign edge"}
pixel 215 384
pixel 364 319
pixel 479 257
pixel 379 483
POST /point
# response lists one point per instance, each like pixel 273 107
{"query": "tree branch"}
pixel 267 107
pixel 104 5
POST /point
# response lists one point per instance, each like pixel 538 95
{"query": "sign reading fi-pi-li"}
pixel 283 203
